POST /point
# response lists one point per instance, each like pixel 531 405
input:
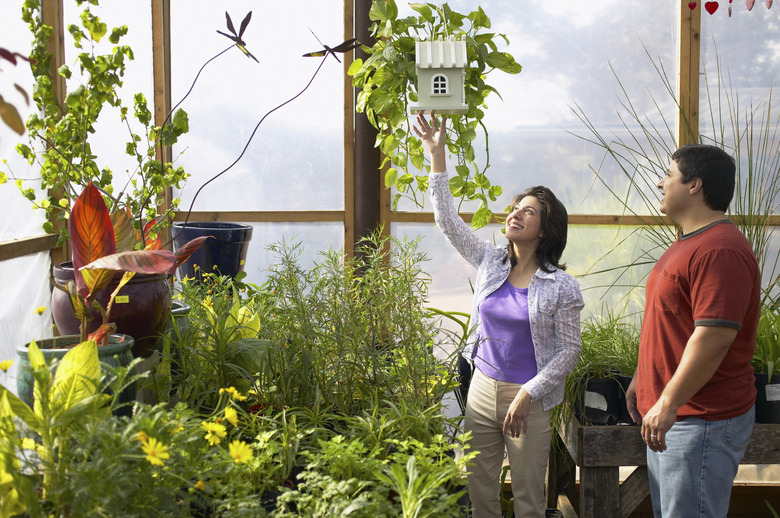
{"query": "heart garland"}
pixel 711 7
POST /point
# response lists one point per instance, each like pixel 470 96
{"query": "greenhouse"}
pixel 378 258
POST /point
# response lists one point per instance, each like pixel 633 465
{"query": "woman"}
pixel 526 320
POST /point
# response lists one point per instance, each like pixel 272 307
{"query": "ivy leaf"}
pixel 504 62
pixel 355 67
pixel 463 171
pixel 391 176
pixel 424 10
pixel 482 217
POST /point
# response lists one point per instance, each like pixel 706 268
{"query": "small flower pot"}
pixel 767 398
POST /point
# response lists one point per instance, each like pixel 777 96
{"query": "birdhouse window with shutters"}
pixel 441 76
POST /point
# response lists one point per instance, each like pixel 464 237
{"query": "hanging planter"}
pixel 225 254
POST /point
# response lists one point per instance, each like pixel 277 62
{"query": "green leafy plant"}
pixel 60 402
pixel 60 132
pixel 353 333
pixel 387 79
pixel 610 349
pixel 766 358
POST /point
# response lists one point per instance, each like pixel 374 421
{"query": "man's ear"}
pixel 695 185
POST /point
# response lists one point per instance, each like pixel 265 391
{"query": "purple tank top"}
pixel 506 350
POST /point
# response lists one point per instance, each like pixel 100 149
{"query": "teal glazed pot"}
pixel 225 254
pixel 117 353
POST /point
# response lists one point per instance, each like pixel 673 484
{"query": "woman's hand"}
pixel 516 420
pixel 434 139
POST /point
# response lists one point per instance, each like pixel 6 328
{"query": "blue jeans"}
pixel 693 477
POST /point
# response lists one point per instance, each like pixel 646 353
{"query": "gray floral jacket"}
pixel 554 299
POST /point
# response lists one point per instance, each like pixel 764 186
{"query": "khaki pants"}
pixel 486 408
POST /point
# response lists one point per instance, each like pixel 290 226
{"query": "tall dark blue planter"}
pixel 226 253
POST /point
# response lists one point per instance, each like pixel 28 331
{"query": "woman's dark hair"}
pixel 555 227
pixel 716 169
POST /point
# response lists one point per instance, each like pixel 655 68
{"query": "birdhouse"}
pixel 441 76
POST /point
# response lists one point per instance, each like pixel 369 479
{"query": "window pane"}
pixel 568 50
pixel 294 160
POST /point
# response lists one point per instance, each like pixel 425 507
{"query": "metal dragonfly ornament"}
pixel 236 38
pixel 341 48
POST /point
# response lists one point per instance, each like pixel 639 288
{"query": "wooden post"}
pixel 350 28
pixel 366 178
pixel 688 50
pixel 161 62
pixel 52 15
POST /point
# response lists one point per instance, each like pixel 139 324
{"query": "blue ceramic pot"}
pixel 224 254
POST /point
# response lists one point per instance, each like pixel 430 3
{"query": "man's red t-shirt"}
pixel 707 278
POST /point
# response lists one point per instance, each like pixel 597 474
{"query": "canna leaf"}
pixel 78 377
pixel 137 261
pixel 189 248
pixel 91 232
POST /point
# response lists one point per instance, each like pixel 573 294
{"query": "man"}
pixel 693 391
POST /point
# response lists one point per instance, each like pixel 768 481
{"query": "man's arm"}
pixel 703 354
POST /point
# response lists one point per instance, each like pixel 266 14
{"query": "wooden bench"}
pixel 600 451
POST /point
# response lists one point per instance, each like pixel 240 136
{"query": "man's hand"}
pixel 656 423
pixel 631 401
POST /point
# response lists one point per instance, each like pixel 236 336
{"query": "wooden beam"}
pixel 367 184
pixel 308 216
pixel 161 67
pixel 688 51
pixel 349 135
pixel 633 491
pixel 26 246
pixel 52 15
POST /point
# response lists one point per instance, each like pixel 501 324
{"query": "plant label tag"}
pixel 773 392
pixel 596 401
pixel 122 299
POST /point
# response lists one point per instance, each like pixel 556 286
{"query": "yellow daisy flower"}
pixel 231 415
pixel 142 436
pixel 240 451
pixel 214 432
pixel 5 365
pixel 156 452
pixel 200 485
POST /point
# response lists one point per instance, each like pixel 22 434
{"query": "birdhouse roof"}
pixel 448 53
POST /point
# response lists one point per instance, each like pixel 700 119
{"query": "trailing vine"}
pixel 388 82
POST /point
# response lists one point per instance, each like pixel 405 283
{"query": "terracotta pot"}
pixel 116 353
pixel 141 309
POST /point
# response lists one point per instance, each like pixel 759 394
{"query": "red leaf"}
pixel 101 333
pixel 156 243
pixel 189 248
pixel 91 232
pixel 138 261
